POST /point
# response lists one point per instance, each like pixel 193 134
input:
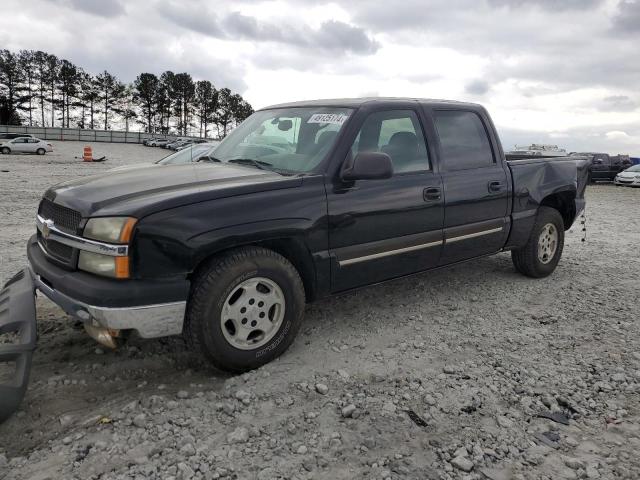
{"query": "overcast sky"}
pixel 554 71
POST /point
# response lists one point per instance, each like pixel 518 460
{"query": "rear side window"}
pixel 464 143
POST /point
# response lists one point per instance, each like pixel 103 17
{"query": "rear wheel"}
pixel 41 151
pixel 5 150
pixel 245 309
pixel 540 256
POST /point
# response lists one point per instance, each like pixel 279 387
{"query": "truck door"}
pixel 476 188
pixel 600 167
pixel 381 229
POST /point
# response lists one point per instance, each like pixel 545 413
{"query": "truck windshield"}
pixel 289 140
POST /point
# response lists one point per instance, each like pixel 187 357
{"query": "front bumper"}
pixel 627 182
pixel 153 308
pixel 149 321
pixel 18 326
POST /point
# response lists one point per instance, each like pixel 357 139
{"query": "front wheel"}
pixel 540 256
pixel 245 309
pixel 5 150
pixel 41 151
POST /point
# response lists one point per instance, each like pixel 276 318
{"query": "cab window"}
pixel 464 142
pixel 398 134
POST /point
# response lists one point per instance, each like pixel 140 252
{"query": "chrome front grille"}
pixel 64 218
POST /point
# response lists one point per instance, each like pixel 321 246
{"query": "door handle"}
pixel 495 186
pixel 431 193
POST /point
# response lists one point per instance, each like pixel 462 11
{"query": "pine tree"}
pixel 146 85
pixel 111 91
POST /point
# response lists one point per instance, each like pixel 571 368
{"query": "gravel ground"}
pixel 505 377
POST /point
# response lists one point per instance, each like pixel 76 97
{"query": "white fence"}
pixel 85 135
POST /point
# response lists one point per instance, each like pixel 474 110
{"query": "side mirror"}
pixel 285 125
pixel 369 166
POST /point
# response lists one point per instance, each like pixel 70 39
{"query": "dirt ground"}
pixel 482 355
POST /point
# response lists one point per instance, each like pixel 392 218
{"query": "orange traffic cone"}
pixel 88 154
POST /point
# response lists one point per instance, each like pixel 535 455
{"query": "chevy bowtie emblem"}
pixel 46 228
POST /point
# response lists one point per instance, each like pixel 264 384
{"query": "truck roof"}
pixel 358 102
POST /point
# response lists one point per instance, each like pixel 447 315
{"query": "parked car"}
pixel 11 136
pixel 194 153
pixel 161 142
pixel 629 177
pixel 177 144
pixel 148 141
pixel 605 166
pixel 227 251
pixel 25 145
pixel 190 153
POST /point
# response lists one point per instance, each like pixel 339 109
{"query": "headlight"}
pixel 110 229
pixel 105 265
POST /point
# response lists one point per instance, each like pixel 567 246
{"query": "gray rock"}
pixel 242 395
pixel 140 420
pixel 573 463
pixel 462 463
pixel 347 411
pixel 182 394
pixel 450 369
pixel 188 449
pixel 302 449
pixel 592 472
pixel 618 378
pixel 239 435
pixel 66 420
pixel 322 389
pixel 66 440
pixel 504 422
pixel 389 407
pixel 186 471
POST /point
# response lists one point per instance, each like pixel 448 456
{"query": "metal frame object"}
pixel 18 317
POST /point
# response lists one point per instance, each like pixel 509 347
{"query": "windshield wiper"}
pixel 250 161
pixel 208 158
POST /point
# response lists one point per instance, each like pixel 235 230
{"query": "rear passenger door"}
pixel 476 187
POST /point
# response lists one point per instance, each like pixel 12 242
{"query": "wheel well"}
pixel 565 203
pixel 293 250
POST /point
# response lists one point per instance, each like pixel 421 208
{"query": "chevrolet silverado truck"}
pixel 301 201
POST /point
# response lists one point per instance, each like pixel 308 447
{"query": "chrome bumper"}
pixel 149 321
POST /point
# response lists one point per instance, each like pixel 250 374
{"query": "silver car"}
pixel 629 177
pixel 25 145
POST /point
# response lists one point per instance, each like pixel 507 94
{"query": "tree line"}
pixel 39 89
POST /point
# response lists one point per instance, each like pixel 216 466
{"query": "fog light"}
pixel 115 267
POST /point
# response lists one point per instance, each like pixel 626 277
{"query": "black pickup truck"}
pixel 301 201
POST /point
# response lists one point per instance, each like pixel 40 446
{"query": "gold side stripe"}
pixel 473 235
pixel 388 253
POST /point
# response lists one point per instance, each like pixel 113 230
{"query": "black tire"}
pixel 215 282
pixel 5 150
pixel 526 259
pixel 41 151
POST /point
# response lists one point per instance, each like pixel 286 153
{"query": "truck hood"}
pixel 139 192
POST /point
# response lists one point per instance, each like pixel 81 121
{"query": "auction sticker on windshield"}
pixel 334 118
